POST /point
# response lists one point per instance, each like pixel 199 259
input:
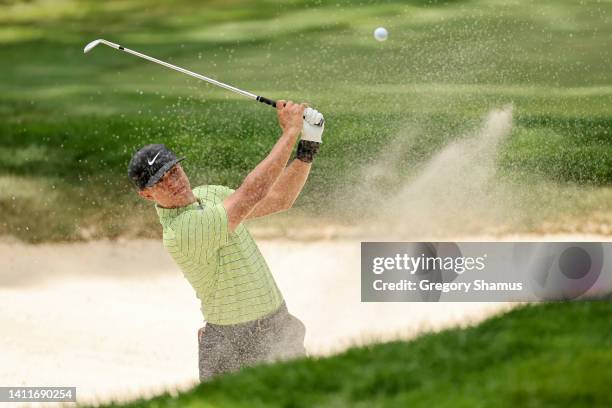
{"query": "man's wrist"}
pixel 307 150
pixel 291 132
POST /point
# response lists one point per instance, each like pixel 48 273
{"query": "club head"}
pixel 91 46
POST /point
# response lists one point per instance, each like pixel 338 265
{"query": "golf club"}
pixel 311 115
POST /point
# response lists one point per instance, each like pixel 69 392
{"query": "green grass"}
pixel 547 355
pixel 69 122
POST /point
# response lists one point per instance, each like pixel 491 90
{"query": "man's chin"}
pixel 181 195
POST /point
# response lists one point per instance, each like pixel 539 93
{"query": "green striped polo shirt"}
pixel 230 276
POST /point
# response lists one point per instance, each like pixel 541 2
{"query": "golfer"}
pixel 246 317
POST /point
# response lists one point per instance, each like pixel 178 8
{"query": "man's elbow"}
pixel 287 204
pixel 279 204
pixel 281 209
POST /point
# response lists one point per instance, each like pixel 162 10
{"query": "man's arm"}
pixel 259 182
pixel 289 185
pixel 285 191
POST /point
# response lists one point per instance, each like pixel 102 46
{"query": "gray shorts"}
pixel 227 348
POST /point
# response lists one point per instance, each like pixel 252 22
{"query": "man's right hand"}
pixel 290 116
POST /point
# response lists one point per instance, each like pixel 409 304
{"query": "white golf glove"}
pixel 312 134
pixel 313 127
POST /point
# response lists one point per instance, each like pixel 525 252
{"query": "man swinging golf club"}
pixel 246 317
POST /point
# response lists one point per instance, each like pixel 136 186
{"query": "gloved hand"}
pixel 313 127
pixel 312 133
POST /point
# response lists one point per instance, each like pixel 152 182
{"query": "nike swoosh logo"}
pixel 153 161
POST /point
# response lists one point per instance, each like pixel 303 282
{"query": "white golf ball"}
pixel 381 34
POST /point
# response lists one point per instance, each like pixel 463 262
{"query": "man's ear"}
pixel 146 194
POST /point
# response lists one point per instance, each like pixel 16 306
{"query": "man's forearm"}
pixel 266 174
pixel 259 182
pixel 285 191
pixel 291 182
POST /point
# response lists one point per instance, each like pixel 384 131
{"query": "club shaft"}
pixel 211 81
pixel 186 71
pixel 308 112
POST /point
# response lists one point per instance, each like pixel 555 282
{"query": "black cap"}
pixel 150 163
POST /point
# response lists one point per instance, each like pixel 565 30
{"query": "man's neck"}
pixel 181 203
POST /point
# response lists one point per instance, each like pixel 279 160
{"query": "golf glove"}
pixel 312 135
pixel 314 124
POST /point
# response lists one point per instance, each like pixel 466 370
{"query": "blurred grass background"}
pixel 69 122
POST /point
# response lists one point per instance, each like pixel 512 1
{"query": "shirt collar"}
pixel 166 215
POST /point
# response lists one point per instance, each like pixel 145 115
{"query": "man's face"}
pixel 172 189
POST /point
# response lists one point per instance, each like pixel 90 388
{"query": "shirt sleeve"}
pixel 225 192
pixel 215 192
pixel 199 233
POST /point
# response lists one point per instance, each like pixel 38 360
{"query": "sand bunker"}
pixel 118 320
